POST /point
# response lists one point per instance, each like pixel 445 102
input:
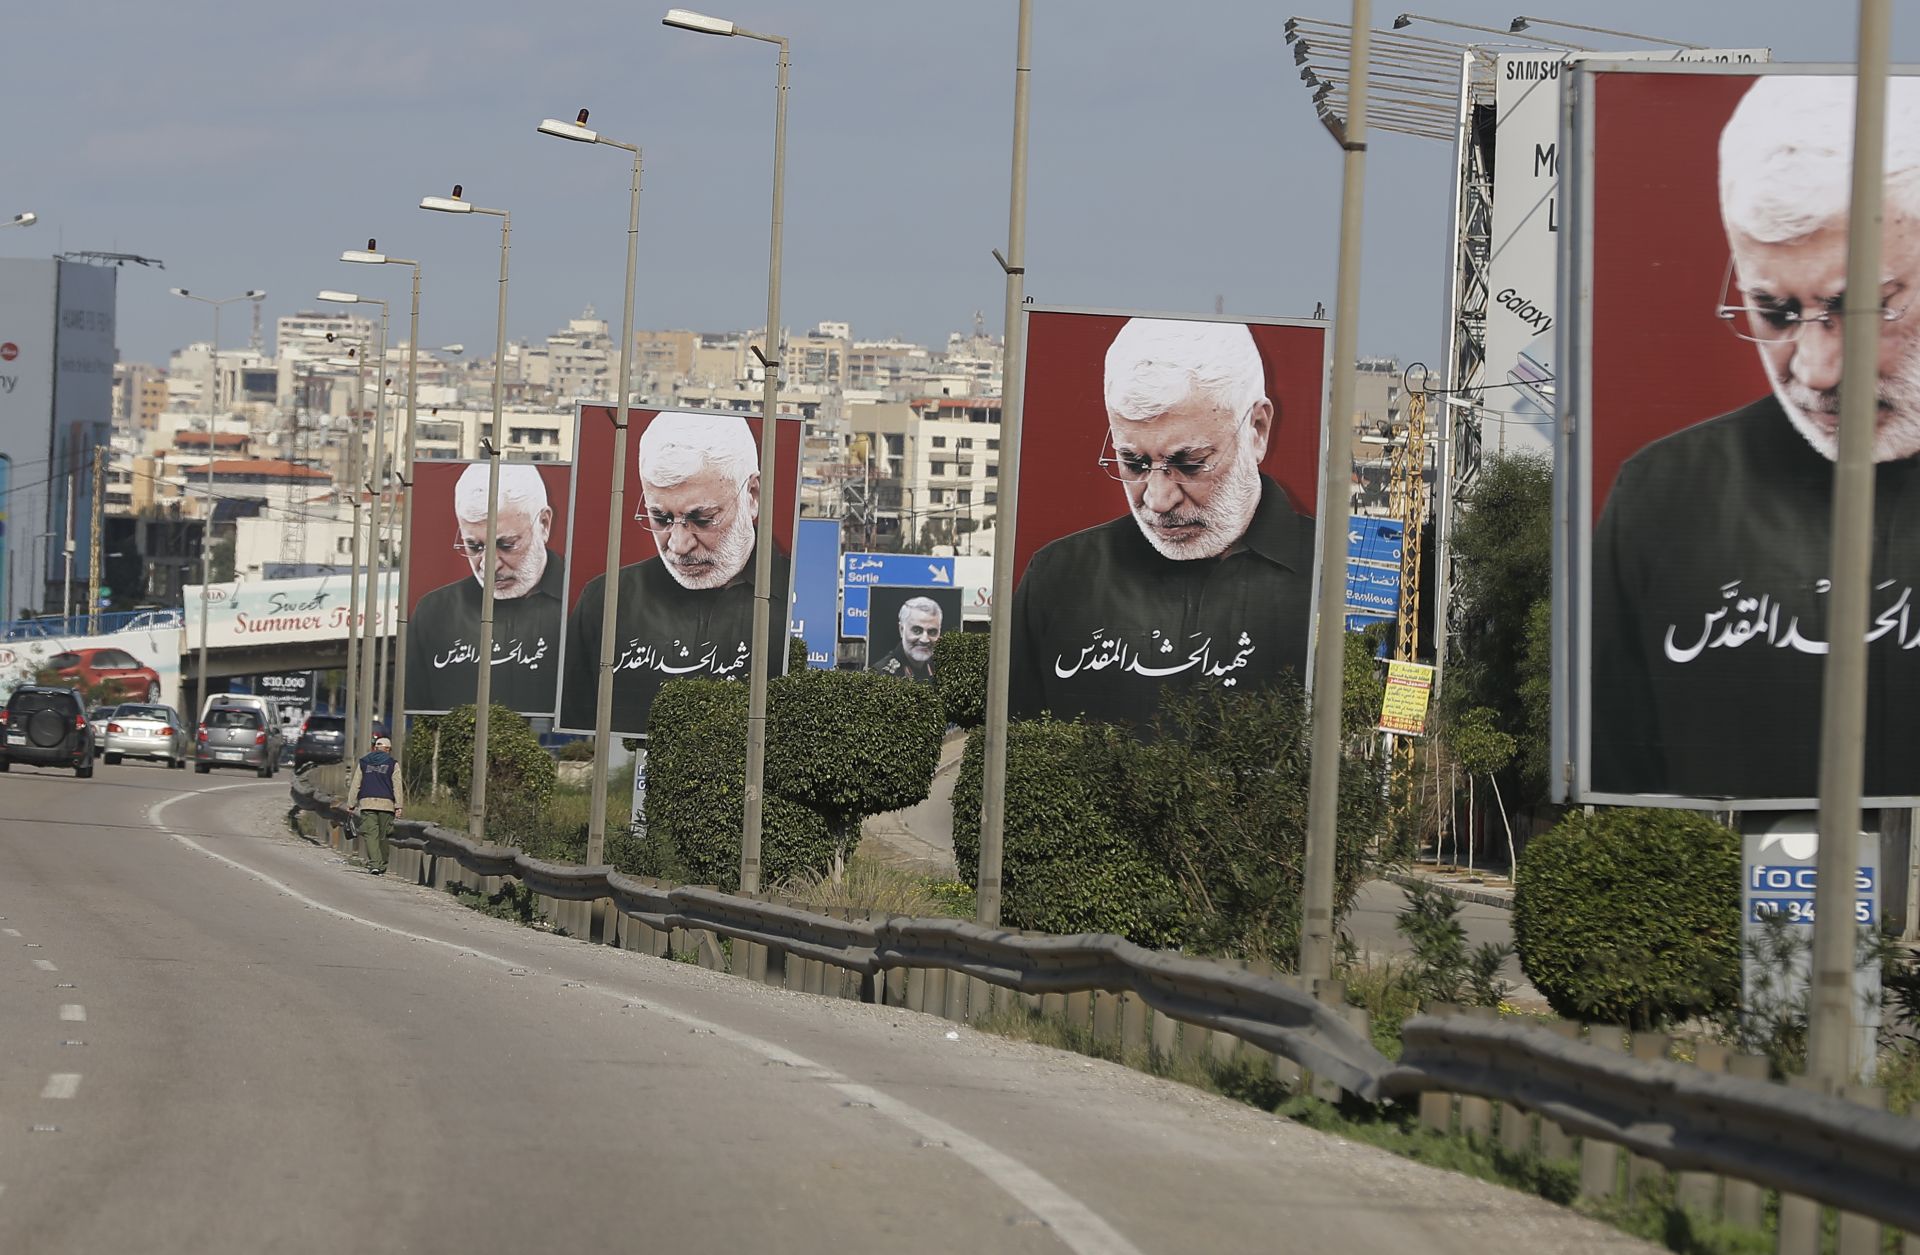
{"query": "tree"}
pixel 1502 549
pixel 1484 750
pixel 960 676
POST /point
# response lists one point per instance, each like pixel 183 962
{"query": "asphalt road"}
pixel 215 1037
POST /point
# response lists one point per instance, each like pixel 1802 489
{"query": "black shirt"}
pixel 665 630
pixel 1103 623
pixel 1710 612
pixel 899 663
pixel 443 644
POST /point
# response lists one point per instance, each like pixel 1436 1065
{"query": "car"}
pixel 235 736
pixel 266 707
pixel 138 730
pixel 154 621
pixel 323 739
pixel 99 715
pixel 32 629
pixel 124 677
pixel 47 726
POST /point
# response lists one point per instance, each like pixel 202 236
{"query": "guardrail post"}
pixel 1600 1161
pixel 1556 1142
pixel 956 997
pixel 1079 1011
pixel 1645 1174
pixel 916 991
pixel 896 986
pixel 1859 1235
pixel 979 999
pixel 1436 1106
pixel 1699 1192
pixel 1476 1114
pixel 934 991
pixel 1053 1006
pixel 1800 1218
pixel 1134 1015
pixel 1106 1016
pixel 775 971
pixel 1165 1031
pixel 1743 1202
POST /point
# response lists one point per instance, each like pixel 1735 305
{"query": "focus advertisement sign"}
pixel 685 605
pixel 138 666
pixel 1169 491
pixel 279 612
pixel 1403 708
pixel 907 601
pixel 444 579
pixel 1705 364
pixel 1526 229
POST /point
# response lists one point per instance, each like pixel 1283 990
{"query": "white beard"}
pixel 723 561
pixel 527 580
pixel 1897 424
pixel 1223 522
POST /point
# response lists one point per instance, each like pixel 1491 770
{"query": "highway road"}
pixel 216 1037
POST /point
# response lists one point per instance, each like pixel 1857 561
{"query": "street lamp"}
pixel 1407 19
pixel 750 825
pixel 356 358
pixel 1522 23
pixel 616 513
pixel 21 220
pixel 206 533
pixel 483 686
pixel 371 256
pixel 369 641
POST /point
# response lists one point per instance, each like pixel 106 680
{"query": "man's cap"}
pixel 382 743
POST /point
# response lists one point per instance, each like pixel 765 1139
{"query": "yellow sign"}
pixel 1404 709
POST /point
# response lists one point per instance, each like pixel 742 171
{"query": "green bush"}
pixel 960 676
pixel 1196 838
pixel 520 772
pixel 796 655
pixel 696 790
pixel 1631 916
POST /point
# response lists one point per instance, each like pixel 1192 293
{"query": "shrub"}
pixel 520 772
pixel 960 676
pixel 696 790
pixel 1631 916
pixel 796 655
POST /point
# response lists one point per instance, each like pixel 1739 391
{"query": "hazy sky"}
pixel 1174 156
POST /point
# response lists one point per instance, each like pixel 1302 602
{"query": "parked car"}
pixel 153 621
pixel 323 739
pixel 99 715
pixel 125 677
pixel 235 736
pixel 135 730
pixel 32 629
pixel 46 726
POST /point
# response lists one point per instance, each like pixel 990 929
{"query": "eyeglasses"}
pixel 1785 322
pixel 1132 468
pixel 701 520
pixel 506 546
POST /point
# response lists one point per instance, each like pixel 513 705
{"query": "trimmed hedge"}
pixel 518 767
pixel 1195 839
pixel 1631 916
pixel 960 676
pixel 841 745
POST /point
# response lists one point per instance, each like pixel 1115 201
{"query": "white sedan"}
pixel 139 730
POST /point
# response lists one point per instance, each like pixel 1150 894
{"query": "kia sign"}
pixel 280 612
pixel 9 351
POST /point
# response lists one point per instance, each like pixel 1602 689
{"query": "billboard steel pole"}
pixel 1844 688
pixel 1323 801
pixel 993 800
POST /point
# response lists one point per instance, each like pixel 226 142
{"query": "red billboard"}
pixel 444 572
pixel 1700 471
pixel 685 600
pixel 1169 484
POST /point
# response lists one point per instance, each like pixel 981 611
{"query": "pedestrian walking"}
pixel 377 798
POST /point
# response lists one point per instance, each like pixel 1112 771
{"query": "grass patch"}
pixel 514 902
pixel 869 884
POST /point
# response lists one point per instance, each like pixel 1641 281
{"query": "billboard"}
pixel 84 353
pixel 137 666
pixel 905 601
pixel 1521 263
pixel 685 604
pixel 1170 471
pixel 280 612
pixel 1403 706
pixel 444 582
pixel 27 323
pixel 816 591
pixel 1696 485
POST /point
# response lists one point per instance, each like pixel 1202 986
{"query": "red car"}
pixel 125 677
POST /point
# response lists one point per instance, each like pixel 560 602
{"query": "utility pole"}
pixel 93 547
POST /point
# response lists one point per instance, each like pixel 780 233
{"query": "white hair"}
pixel 520 485
pixel 1155 364
pixel 675 447
pixel 920 605
pixel 1786 154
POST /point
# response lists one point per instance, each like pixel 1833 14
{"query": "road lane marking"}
pixel 11 932
pixel 1078 1227
pixel 62 1085
pixel 73 1011
pixel 45 965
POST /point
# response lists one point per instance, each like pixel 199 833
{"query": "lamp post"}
pixel 1522 23
pixel 616 511
pixel 750 824
pixel 25 219
pixel 356 358
pixel 206 535
pixel 483 686
pixel 1407 19
pixel 362 735
pixel 371 256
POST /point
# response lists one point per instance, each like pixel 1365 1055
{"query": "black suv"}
pixel 323 739
pixel 47 727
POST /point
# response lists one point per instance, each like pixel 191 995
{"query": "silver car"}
pixel 235 736
pixel 139 730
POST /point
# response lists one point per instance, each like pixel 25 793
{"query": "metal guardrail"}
pixel 1818 1146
